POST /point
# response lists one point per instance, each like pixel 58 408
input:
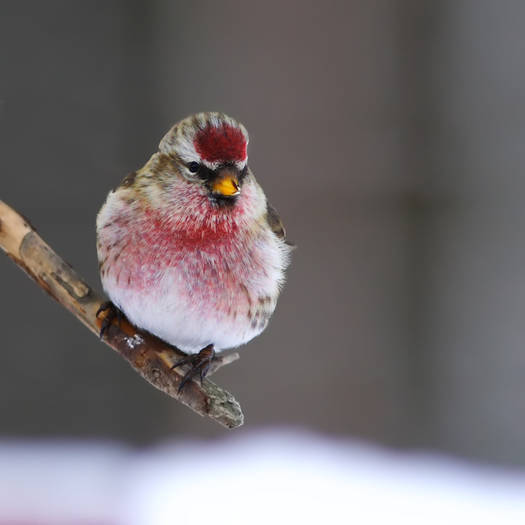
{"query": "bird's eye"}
pixel 194 167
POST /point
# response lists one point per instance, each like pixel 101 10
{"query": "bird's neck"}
pixel 208 226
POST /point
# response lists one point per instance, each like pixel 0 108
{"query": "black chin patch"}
pixel 223 201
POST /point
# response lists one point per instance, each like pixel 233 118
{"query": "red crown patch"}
pixel 224 143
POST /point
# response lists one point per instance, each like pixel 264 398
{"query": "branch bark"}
pixel 148 355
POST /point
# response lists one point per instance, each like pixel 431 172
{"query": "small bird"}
pixel 189 248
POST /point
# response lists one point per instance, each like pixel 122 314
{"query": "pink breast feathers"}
pixel 223 143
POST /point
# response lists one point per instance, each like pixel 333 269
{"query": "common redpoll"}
pixel 189 248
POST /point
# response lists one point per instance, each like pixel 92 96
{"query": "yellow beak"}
pixel 227 185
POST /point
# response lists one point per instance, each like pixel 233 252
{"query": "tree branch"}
pixel 148 355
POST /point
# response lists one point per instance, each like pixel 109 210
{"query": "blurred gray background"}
pixel 390 136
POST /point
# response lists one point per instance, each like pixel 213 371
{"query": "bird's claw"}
pixel 112 313
pixel 200 364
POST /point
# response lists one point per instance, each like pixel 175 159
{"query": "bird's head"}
pixel 210 150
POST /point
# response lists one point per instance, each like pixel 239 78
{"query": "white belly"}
pixel 204 298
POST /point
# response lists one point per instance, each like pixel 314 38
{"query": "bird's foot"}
pixel 112 313
pixel 200 364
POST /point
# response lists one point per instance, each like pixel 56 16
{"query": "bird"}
pixel 189 248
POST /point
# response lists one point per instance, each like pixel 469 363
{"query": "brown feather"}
pixel 274 221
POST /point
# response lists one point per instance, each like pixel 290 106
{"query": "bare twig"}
pixel 148 355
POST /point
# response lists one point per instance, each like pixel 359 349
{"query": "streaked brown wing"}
pixel 274 221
